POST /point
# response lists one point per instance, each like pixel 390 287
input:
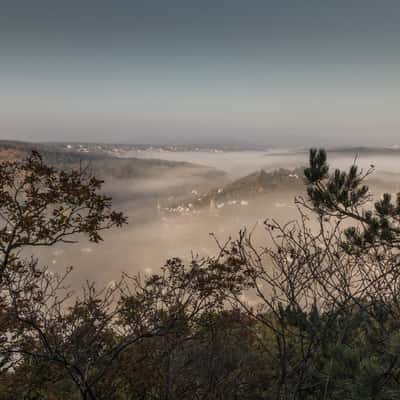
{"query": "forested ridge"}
pixel 313 314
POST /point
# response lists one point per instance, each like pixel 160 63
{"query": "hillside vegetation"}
pixel 313 314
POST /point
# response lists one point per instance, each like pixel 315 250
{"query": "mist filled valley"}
pixel 200 200
pixel 179 202
pixel 128 269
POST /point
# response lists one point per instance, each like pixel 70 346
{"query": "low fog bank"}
pixel 163 223
pixel 235 163
pixel 241 163
pixel 140 197
pixel 145 244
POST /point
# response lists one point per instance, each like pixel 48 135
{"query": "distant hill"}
pixel 360 150
pixel 366 150
pixel 262 182
pixel 244 191
pixel 128 168
pixel 10 154
pixel 101 163
pixel 126 179
pixel 51 153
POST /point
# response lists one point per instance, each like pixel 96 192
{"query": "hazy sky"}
pixel 278 72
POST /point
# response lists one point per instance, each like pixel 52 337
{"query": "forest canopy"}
pixel 312 314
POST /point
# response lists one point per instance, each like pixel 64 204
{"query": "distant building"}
pixel 213 207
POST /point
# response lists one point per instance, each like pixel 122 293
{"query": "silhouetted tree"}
pixel 318 282
pixel 312 314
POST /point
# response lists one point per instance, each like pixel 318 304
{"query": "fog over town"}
pixel 180 200
pixel 199 200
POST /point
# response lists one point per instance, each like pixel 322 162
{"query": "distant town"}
pixel 121 150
